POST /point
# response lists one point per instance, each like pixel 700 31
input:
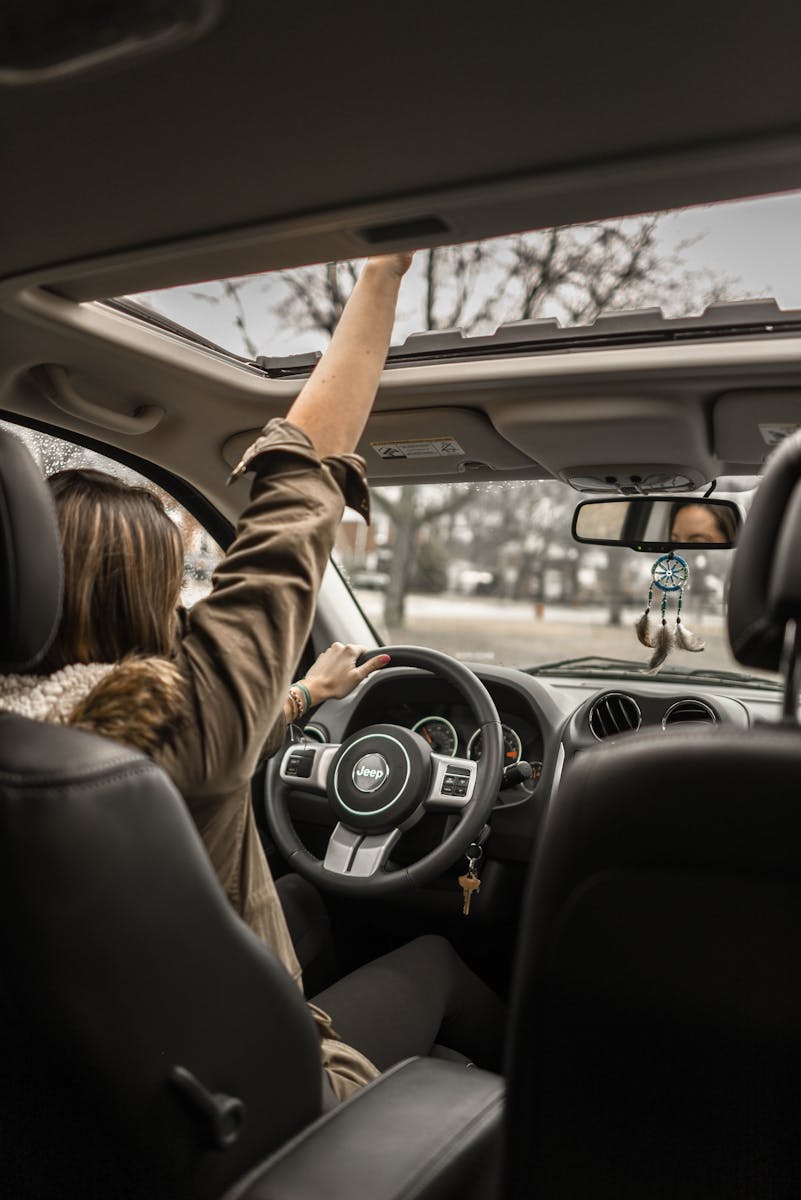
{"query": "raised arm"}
pixel 244 639
pixel 335 403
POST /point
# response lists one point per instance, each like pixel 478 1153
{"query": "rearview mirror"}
pixel 642 523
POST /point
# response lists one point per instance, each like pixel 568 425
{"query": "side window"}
pixel 201 552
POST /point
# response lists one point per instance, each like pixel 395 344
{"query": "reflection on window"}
pixel 201 552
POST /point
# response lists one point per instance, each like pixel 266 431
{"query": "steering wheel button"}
pixel 300 764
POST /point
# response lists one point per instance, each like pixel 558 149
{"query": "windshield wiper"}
pixel 591 664
pixel 595 664
pixel 720 676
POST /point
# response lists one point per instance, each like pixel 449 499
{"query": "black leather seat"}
pixel 121 959
pixel 656 1033
pixel 151 1046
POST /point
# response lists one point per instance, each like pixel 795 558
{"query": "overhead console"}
pixel 609 444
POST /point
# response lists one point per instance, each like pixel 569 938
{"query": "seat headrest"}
pixel 765 587
pixel 30 559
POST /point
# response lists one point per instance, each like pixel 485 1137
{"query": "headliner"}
pixel 311 124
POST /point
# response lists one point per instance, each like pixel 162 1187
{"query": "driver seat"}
pixel 152 1047
pixel 138 1013
pixel 655 1049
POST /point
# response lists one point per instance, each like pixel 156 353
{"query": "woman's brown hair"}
pixel 724 517
pixel 123 567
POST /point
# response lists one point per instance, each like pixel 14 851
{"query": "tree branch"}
pixel 232 291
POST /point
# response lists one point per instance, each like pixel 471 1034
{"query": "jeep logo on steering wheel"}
pixel 370 772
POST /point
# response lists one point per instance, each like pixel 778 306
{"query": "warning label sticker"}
pixel 418 448
pixel 773 434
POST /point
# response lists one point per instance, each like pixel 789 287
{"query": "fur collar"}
pixel 141 702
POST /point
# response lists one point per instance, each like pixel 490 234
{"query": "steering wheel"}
pixel 379 783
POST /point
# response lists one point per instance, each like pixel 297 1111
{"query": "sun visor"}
pixel 605 444
pixel 748 424
pixel 400 447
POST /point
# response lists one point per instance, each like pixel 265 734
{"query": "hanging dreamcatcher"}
pixel 671 575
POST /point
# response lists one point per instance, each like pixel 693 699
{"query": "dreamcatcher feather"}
pixel 671 575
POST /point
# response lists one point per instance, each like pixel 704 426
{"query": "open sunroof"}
pixel 704 271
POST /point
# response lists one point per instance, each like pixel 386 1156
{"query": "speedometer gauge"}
pixel 439 733
pixel 512 746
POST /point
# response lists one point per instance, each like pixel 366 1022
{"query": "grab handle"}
pixel 61 392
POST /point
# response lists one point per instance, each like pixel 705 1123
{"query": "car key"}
pixel 469 883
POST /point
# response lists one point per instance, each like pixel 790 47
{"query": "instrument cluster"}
pixel 448 725
pixel 442 737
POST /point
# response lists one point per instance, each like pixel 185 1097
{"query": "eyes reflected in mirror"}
pixel 693 523
pixel 644 523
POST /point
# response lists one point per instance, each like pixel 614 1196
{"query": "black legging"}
pixel 404 1003
pixel 399 1005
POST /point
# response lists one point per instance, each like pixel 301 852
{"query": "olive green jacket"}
pixel 237 652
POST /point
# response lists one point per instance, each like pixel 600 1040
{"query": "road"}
pixel 509 632
pixel 485 629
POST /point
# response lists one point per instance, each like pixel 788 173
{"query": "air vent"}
pixel 686 711
pixel 614 713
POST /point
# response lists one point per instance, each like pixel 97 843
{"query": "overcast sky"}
pixel 755 242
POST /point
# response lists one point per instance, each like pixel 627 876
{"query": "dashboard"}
pixel 547 721
pixel 554 719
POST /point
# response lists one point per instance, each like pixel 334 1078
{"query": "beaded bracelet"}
pixel 298 704
pixel 301 700
pixel 306 693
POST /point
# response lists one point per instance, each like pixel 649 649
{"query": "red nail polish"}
pixel 385 658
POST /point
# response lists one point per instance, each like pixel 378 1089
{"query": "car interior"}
pixel 636 830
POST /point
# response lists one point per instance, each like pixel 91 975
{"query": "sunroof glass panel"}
pixel 675 264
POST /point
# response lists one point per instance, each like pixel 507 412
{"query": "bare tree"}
pixel 316 296
pixel 232 290
pixel 409 513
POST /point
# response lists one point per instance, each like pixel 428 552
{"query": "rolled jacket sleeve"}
pixel 281 436
pixel 241 643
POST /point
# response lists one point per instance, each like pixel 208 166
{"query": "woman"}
pixel 207 694
pixel 702 524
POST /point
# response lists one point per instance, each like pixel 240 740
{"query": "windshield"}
pixel 489 572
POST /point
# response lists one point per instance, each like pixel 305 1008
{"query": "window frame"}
pixel 186 494
pixel 196 504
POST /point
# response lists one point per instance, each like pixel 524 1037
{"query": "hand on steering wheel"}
pixel 339 669
pixel 380 781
